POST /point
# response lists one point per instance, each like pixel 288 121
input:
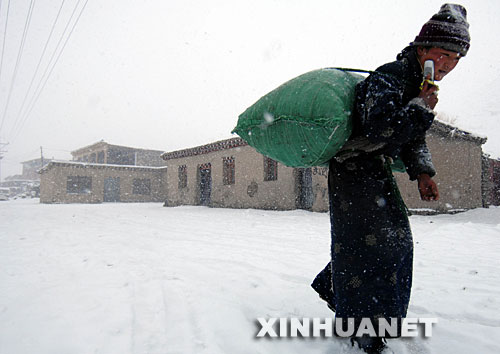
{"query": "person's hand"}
pixel 429 94
pixel 427 188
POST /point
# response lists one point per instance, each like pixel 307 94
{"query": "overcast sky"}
pixel 168 74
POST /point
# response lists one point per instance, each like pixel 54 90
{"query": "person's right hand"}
pixel 429 94
pixel 427 187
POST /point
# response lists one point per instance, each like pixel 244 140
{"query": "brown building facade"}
pixel 230 173
pixel 104 153
pixel 457 156
pixel 491 181
pixel 74 182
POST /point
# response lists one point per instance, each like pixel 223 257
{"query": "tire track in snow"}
pixel 183 332
pixel 148 321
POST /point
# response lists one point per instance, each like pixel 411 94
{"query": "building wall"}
pixel 456 154
pixel 457 161
pixel 458 167
pixel 54 180
pixel 105 153
pixel 96 153
pixel 249 190
pixel 320 188
pixel 458 175
pixel 491 181
pixel 149 158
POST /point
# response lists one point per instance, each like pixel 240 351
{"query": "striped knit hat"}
pixel 448 29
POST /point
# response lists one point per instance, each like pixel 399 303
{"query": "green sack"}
pixel 305 121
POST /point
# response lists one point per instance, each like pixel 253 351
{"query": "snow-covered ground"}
pixel 140 278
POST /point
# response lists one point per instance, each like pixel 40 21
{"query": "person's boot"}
pixel 370 345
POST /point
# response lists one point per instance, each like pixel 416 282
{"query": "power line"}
pixel 17 157
pixel 46 69
pixel 4 37
pixel 38 65
pixel 1 60
pixel 18 60
pixel 35 100
pixel 2 151
pixel 41 86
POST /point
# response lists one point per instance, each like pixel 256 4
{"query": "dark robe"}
pixel 370 272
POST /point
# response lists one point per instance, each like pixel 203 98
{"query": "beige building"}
pixel 229 174
pixel 491 181
pixel 31 167
pixel 457 157
pixel 104 153
pixel 77 182
pixel 232 174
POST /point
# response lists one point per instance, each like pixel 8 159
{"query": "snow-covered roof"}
pixel 100 144
pixel 205 149
pixel 37 160
pixel 450 131
pixel 79 164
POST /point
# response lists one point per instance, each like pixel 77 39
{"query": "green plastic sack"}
pixel 305 121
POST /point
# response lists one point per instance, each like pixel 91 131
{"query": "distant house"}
pixel 230 173
pixel 457 156
pixel 104 153
pixel 81 182
pixel 31 167
pixel 28 181
pixel 491 181
pixel 103 172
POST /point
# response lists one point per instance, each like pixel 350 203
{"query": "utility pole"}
pixel 2 151
pixel 41 155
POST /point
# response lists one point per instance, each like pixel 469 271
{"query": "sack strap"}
pixel 406 82
pixel 355 70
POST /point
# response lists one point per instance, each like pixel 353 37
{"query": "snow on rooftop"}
pixel 92 164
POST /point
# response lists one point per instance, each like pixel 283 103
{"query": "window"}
pixel 141 186
pixel 270 169
pixel 79 185
pixel 228 170
pixel 121 157
pixel 100 157
pixel 183 177
pixel 93 157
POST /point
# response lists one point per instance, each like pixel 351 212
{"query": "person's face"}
pixel 444 60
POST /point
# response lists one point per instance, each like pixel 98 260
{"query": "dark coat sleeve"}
pixel 417 158
pixel 385 117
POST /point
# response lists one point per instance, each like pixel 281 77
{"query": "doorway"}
pixel 305 195
pixel 112 189
pixel 205 183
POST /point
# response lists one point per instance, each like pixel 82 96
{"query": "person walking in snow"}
pixel 370 272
